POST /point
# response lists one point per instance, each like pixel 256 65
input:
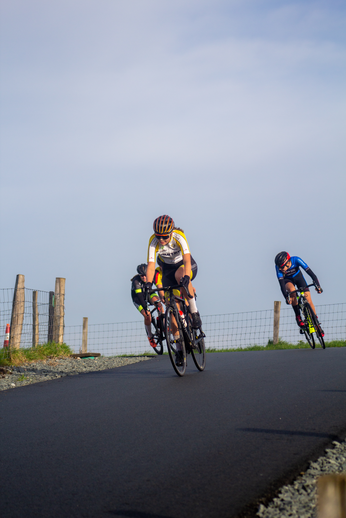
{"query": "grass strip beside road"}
pixel 18 357
pixel 9 356
pixel 279 346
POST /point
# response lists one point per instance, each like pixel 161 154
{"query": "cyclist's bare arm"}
pixel 150 271
pixel 187 264
pixel 161 292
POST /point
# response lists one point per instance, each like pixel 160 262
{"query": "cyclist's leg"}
pixel 196 319
pixel 290 287
pixel 302 285
pixel 168 279
pixel 147 325
pixel 309 299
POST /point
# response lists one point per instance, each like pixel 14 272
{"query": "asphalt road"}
pixel 139 442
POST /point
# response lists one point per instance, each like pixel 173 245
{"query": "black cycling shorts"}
pixel 299 281
pixel 168 271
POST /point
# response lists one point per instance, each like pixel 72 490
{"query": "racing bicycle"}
pixel 310 320
pixel 157 327
pixel 178 321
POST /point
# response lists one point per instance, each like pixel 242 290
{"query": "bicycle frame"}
pixel 302 303
pixel 179 303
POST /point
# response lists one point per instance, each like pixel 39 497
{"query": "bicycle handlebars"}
pixel 299 291
pixel 170 288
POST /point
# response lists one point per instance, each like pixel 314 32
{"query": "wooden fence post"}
pixel 331 496
pixel 17 316
pixel 85 335
pixel 35 329
pixel 50 317
pixel 277 305
pixel 59 310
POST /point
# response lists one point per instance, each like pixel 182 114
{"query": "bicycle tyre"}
pixel 198 351
pixel 318 332
pixel 309 336
pixel 157 335
pixel 170 313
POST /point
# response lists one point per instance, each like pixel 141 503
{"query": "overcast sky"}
pixel 227 115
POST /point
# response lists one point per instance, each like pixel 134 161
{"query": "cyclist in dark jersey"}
pixel 138 299
pixel 289 276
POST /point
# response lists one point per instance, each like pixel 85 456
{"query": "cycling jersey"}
pixel 293 270
pixel 172 252
pixel 137 289
pixel 158 276
pixel 294 275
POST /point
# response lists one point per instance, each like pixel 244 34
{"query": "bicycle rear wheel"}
pixel 157 334
pixel 171 317
pixel 308 320
pixel 198 349
pixel 318 331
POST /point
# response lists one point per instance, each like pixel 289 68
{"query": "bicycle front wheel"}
pixel 157 334
pixel 172 321
pixel 198 349
pixel 309 325
pixel 318 331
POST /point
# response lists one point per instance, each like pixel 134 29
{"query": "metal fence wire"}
pixel 224 331
pixel 227 331
pixel 44 327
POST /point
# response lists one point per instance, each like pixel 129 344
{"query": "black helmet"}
pixel 282 259
pixel 142 269
pixel 163 225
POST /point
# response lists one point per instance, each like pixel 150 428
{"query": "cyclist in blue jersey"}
pixel 289 276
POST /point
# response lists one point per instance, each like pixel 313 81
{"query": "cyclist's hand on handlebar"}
pixel 147 288
pixel 318 289
pixel 185 281
pixel 288 298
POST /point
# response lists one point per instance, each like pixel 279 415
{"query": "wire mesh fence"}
pixel 43 301
pixel 6 300
pixel 223 331
pixel 227 331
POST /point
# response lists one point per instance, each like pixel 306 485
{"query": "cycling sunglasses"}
pixel 163 237
pixel 283 265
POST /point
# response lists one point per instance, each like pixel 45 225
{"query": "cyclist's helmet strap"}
pixel 142 269
pixel 163 225
pixel 282 258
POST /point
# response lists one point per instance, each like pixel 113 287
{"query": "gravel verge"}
pixel 299 500
pixel 53 368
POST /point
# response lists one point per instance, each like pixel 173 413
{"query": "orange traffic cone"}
pixel 7 336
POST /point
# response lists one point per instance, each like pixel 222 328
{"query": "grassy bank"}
pixel 53 350
pixel 279 346
pixel 41 352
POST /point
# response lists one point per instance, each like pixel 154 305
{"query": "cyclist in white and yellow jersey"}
pixel 168 245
